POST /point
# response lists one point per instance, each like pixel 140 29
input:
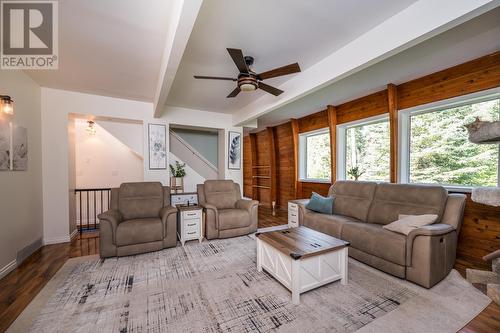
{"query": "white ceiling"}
pixel 470 40
pixel 275 33
pixel 109 47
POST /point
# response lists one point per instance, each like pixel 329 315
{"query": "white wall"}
pixel 21 191
pixel 56 106
pixel 192 177
pixel 102 160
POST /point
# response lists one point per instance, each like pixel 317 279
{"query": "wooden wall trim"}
pixel 295 139
pixel 253 147
pixel 392 106
pixel 473 76
pixel 332 124
pixel 272 164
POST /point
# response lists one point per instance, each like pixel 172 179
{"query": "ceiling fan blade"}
pixel 235 92
pixel 214 78
pixel 270 89
pixel 285 70
pixel 238 59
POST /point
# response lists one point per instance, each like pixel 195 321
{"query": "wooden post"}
pixel 332 124
pixel 295 137
pixel 253 150
pixel 272 165
pixel 392 104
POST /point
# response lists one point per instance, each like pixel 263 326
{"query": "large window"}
pixel 366 151
pixel 315 156
pixel 439 149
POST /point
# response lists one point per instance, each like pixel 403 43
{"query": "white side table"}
pixel 293 215
pixel 189 223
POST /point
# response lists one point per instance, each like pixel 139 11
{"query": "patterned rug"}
pixel 215 287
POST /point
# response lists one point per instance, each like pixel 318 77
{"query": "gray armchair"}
pixel 227 214
pixel 140 220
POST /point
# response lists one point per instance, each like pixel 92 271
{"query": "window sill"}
pixel 319 181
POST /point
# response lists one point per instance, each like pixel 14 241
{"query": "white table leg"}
pixel 259 255
pixel 295 281
pixel 344 261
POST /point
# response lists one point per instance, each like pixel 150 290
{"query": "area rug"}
pixel 215 287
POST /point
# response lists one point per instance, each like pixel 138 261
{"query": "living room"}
pixel 250 167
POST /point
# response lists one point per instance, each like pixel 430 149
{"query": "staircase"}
pixel 186 153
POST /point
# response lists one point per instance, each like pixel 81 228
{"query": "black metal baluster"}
pixel 88 211
pixel 80 208
pixel 95 212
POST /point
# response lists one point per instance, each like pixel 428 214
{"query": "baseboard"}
pixel 8 268
pixel 73 234
pixel 56 240
pixel 28 250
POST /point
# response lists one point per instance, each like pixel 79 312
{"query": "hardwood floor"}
pixel 20 286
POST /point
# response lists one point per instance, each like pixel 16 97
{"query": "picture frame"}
pixel 234 151
pixel 157 146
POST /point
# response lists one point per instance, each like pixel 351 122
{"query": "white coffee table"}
pixel 302 259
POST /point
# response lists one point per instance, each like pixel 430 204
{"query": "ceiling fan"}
pixel 248 80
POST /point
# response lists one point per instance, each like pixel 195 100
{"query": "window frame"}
pixel 404 132
pixel 303 155
pixel 342 140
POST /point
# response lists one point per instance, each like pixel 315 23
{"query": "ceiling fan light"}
pixel 247 87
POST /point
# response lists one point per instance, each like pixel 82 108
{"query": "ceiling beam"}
pixel 183 20
pixel 416 23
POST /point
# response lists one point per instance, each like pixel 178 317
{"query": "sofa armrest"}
pixel 302 203
pixel 168 215
pixel 113 218
pixel 454 210
pixel 431 230
pixel 246 204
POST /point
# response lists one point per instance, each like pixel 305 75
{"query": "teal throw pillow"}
pixel 320 204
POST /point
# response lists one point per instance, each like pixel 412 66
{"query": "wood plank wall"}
pixel 481 226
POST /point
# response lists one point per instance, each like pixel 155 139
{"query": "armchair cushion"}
pixel 221 193
pixel 139 231
pixel 140 200
pixel 233 218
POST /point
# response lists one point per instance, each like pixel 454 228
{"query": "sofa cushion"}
pixel 352 198
pixel 221 193
pixel 375 240
pixel 391 200
pixel 320 204
pixel 139 231
pixel 140 200
pixel 328 224
pixel 233 218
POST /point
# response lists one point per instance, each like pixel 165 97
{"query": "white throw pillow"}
pixel 407 223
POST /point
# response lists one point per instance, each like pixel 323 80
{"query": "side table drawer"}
pixel 192 233
pixel 191 214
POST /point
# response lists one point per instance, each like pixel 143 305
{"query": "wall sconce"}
pixel 91 129
pixel 6 105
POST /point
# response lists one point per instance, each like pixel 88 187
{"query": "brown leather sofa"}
pixel 140 220
pixel 360 210
pixel 226 213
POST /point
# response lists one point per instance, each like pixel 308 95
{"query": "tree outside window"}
pixel 441 153
pixel 368 152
